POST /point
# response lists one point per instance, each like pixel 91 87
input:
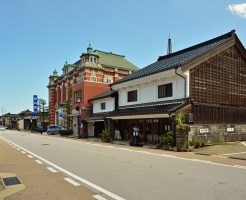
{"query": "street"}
pixel 119 172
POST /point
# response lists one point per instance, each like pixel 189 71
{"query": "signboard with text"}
pixel 35 105
pixel 204 130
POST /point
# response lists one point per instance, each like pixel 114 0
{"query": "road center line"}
pixel 39 162
pixel 29 156
pixel 92 185
pixel 23 152
pixel 72 181
pixel 51 169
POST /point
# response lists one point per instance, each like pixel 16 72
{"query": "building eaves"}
pixel 163 107
pixel 108 93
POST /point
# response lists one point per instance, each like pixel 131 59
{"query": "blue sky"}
pixel 38 36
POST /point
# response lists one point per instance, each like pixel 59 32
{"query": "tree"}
pixel 43 109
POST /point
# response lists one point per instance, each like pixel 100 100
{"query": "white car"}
pixel 2 128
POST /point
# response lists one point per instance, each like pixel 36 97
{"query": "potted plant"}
pixel 106 136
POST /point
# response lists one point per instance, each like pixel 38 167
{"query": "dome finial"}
pixel 55 73
pixel 89 48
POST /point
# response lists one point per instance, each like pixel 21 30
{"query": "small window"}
pixel 93 79
pixel 77 97
pixel 165 90
pixel 95 60
pixel 108 80
pixel 132 96
pixel 91 59
pixel 103 106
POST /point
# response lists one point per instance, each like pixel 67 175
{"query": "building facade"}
pixel 206 81
pixel 86 78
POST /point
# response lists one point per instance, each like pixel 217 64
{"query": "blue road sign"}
pixel 35 105
pixel 61 115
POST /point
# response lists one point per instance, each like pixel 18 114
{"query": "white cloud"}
pixel 238 9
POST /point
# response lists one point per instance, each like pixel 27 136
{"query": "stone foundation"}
pixel 217 133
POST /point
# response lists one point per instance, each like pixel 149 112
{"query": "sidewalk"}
pixel 39 181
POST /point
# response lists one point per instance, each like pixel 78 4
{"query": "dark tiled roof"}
pixel 161 107
pixel 108 93
pixel 178 58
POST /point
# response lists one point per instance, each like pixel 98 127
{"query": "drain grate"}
pixel 11 181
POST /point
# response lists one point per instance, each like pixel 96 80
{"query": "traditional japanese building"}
pixel 206 81
pixel 89 76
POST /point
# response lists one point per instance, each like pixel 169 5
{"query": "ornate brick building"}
pixel 89 76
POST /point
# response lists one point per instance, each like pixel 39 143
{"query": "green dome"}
pixel 90 49
pixel 55 73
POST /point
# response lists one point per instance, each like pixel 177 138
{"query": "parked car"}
pixel 53 129
pixel 2 128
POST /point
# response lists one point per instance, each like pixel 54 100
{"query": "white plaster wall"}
pixel 148 90
pixel 187 74
pixel 109 105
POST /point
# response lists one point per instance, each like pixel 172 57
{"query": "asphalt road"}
pixel 134 175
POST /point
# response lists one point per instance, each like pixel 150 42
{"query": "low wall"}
pixel 213 133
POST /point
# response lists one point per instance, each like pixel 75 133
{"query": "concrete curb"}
pixel 237 158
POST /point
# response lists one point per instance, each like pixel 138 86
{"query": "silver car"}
pixel 53 129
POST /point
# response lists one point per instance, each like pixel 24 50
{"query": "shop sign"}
pixel 204 130
pixel 231 129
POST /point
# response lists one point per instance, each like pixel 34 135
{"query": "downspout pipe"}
pixel 183 77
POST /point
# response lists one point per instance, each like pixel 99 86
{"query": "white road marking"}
pixel 239 166
pixel 72 181
pixel 98 197
pixel 39 162
pixel 29 156
pixel 243 143
pixel 14 146
pixel 112 147
pixel 18 149
pixel 228 154
pixel 203 161
pixel 92 185
pixel 23 152
pixel 51 169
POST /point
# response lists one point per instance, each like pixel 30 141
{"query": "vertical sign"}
pixel 35 105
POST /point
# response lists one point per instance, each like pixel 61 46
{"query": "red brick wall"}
pixel 92 89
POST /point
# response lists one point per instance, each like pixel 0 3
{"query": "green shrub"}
pixel 106 136
pixel 167 139
pixel 202 144
pixel 182 146
pixel 191 143
pixel 197 144
pixel 65 132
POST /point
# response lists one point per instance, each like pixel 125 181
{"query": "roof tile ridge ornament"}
pixel 224 36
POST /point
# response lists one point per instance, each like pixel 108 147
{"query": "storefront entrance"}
pixel 150 129
pixel 99 127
